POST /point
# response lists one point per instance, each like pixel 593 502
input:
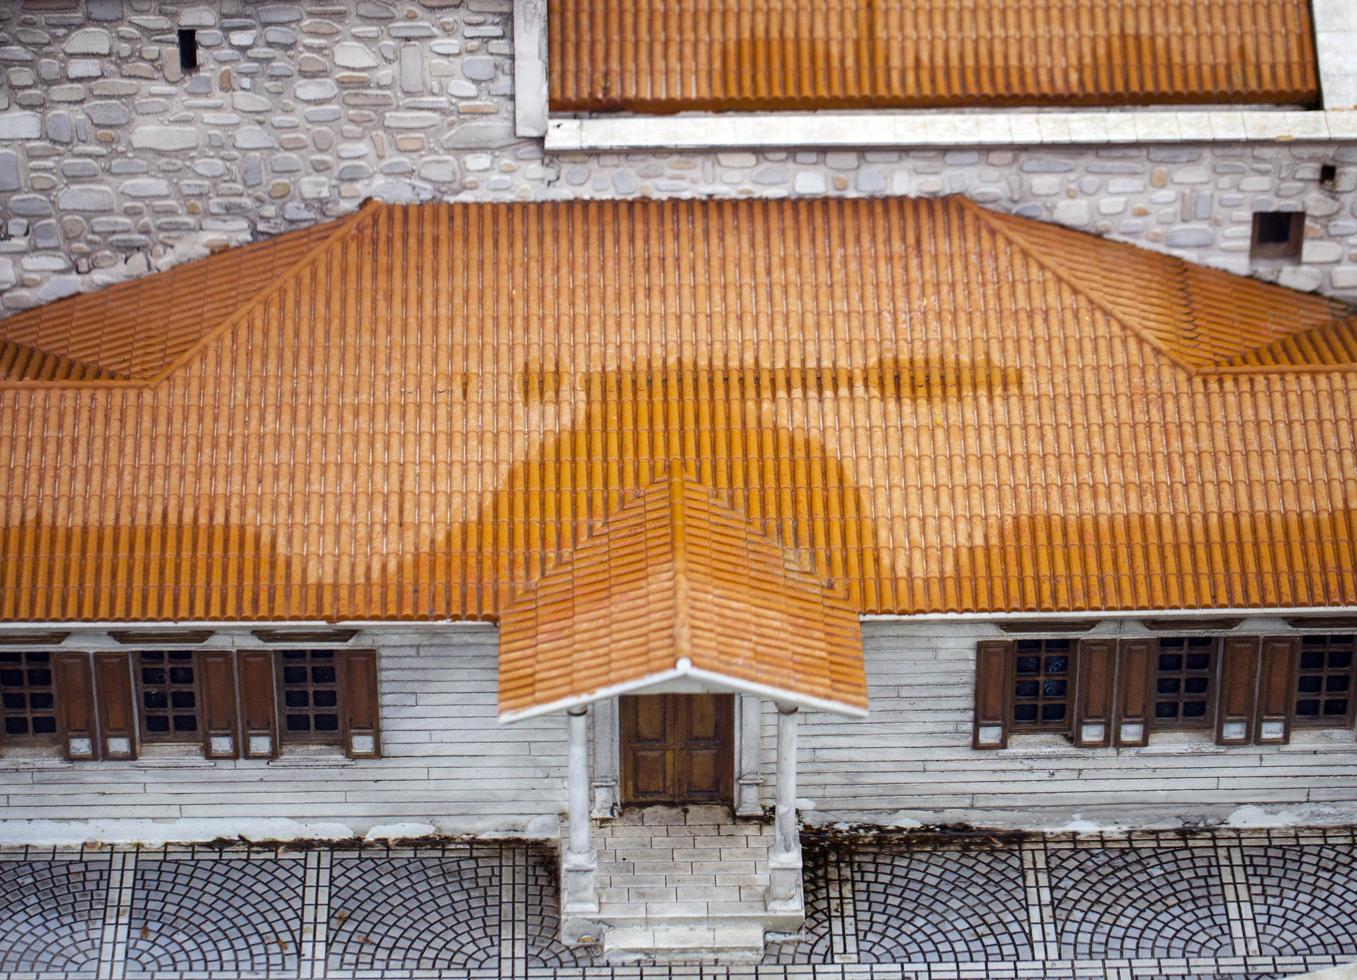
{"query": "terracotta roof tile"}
pixel 933 407
pixel 676 582
pixel 668 56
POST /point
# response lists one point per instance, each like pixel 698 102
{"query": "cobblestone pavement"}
pixel 1237 904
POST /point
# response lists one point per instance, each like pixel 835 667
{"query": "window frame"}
pixel 336 738
pixel 1065 726
pixel 1207 721
pixel 171 737
pixel 52 738
pixel 1320 721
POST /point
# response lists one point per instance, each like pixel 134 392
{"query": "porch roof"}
pixel 676 586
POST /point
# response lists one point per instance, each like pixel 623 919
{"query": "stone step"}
pixel 736 942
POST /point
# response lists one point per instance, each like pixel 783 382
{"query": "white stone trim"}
pixel 607 795
pixel 1335 40
pixel 748 739
pixel 868 130
pixel 530 68
pixel 1279 612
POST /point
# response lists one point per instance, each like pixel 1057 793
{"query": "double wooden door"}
pixel 677 748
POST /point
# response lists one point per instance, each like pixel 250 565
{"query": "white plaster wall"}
pixel 113 165
pixel 448 766
pixel 910 762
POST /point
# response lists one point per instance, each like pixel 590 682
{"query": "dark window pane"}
pixel 295 655
pixel 295 698
pixel 1057 665
pixel 1052 712
pixel 1340 659
pixel 299 723
pixel 322 675
pixel 44 725
pixel 1054 689
pixel 181 675
pixel 185 723
pixel 1311 659
pixel 1167 685
pixel 158 724
pixel 1336 706
pixel 16 726
pixel 1307 707
pixel 1166 709
pixel 322 655
pixel 1198 661
pixel 1194 709
pixel 153 675
pixel 12 678
pixel 327 723
pixel 182 699
pixel 1026 689
pixel 294 675
pixel 15 701
pixel 181 657
pixel 1029 665
pixel 1024 712
pixel 1309 683
pixel 152 658
pixel 153 698
pixel 39 658
pixel 41 701
pixel 1170 661
pixel 1336 683
pixel 325 699
pixel 1195 685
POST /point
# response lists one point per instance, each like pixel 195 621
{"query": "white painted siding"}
pixel 911 759
pixel 450 767
pixel 447 764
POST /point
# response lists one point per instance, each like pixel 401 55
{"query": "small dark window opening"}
pixel 188 50
pixel 1278 235
pixel 308 685
pixel 1324 682
pixel 167 682
pixel 1184 669
pixel 1043 685
pixel 1328 173
pixel 29 700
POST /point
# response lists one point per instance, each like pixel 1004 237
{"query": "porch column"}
pixel 784 863
pixel 580 860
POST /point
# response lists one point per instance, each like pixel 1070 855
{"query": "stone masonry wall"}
pixel 113 163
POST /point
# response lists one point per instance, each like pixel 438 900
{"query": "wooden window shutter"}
pixel 993 693
pixel 117 718
pixel 1132 697
pixel 1093 699
pixel 1276 689
pixel 217 705
pixel 362 714
pixel 75 705
pixel 258 717
pixel 1236 690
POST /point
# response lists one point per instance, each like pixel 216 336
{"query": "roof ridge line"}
pixel 343 226
pixel 992 219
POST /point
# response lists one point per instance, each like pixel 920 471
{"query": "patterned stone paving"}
pixel 1236 904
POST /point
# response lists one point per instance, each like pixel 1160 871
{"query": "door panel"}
pixel 677 748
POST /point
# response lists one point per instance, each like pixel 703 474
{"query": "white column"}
pixel 784 863
pixel 580 860
pixel 749 714
pixel 605 774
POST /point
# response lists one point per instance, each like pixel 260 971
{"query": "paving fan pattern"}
pixel 1230 904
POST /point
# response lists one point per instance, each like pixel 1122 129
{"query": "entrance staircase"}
pixel 683 883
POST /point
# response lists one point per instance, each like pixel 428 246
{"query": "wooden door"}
pixel 678 748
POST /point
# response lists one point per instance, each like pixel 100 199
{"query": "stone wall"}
pixel 113 162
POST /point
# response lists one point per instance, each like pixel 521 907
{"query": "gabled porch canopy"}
pixel 677 591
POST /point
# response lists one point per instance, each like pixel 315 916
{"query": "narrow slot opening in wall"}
pixel 1328 174
pixel 1277 235
pixel 188 49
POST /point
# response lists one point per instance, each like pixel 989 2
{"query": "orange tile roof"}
pixel 934 407
pixel 677 584
pixel 136 330
pixel 667 56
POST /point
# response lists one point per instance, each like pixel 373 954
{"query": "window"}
pixel 1102 691
pixel 1328 175
pixel 29 696
pixel 188 50
pixel 1042 685
pixel 168 689
pixel 1182 682
pixel 1324 681
pixel 309 684
pixel 1278 235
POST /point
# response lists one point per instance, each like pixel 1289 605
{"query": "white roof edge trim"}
pixel 933 128
pixel 238 624
pixel 1268 612
pixel 718 680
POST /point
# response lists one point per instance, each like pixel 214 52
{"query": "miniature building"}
pixel 498 515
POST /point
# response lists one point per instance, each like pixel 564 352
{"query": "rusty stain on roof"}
pixel 676 581
pixel 932 407
pixel 714 55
